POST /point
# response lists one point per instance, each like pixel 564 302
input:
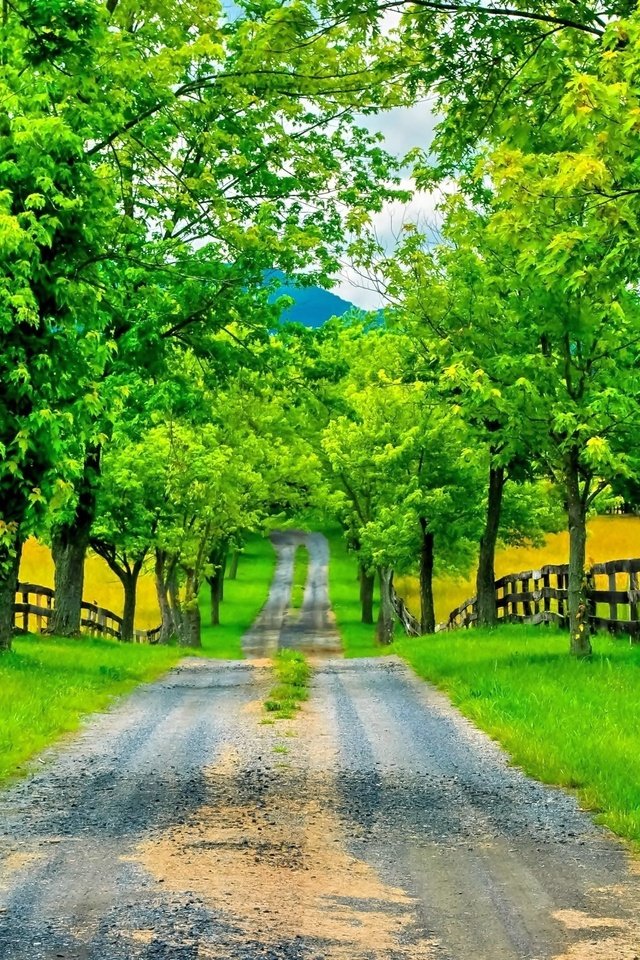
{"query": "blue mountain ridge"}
pixel 312 306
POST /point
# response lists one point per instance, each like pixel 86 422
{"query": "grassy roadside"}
pixel 292 673
pixel 300 571
pixel 244 597
pixel 358 639
pixel 48 686
pixel 565 722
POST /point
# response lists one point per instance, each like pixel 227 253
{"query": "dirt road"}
pixel 312 628
pixel 377 825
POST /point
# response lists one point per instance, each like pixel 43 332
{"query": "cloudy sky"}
pixel 403 129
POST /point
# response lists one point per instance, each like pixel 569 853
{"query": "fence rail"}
pixel 34 606
pixel 409 623
pixel 541 596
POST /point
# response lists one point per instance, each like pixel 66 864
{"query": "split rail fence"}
pixel 34 608
pixel 541 596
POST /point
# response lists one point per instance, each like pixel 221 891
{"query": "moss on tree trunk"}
pixel 9 569
pixel 386 615
pixel 427 605
pixel 486 574
pixel 367 584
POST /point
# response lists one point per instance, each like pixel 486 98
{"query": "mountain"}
pixel 312 305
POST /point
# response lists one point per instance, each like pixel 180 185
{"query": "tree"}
pixel 164 128
pixel 562 375
pixel 405 480
pixel 128 512
pixel 566 217
pixel 56 222
pixel 451 299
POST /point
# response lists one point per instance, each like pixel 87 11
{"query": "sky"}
pixel 402 128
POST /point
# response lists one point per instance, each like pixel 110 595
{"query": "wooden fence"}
pixel 409 623
pixel 623 509
pixel 34 608
pixel 541 596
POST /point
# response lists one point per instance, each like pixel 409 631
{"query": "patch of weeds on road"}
pixel 280 748
pixel 292 672
pixel 300 571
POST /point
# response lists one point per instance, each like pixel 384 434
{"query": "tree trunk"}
pixel 9 570
pixel 177 613
pixel 367 583
pixel 486 575
pixel 223 571
pixel 386 615
pixel 218 560
pixel 578 601
pixel 127 573
pixel 69 544
pixel 427 606
pixel 190 627
pixel 215 584
pixel 167 625
pixel 190 634
pixel 130 587
pixel 69 549
pixel 233 566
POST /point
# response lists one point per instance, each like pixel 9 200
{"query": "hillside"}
pixel 313 306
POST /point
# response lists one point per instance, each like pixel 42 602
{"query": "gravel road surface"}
pixel 312 628
pixel 376 825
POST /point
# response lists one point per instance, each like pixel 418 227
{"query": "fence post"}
pixel 613 604
pixel 526 602
pixel 633 603
pixel 589 588
pixel 25 615
pixel 546 585
pixel 560 589
pixel 39 615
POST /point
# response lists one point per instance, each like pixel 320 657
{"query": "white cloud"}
pixel 366 291
pixel 403 128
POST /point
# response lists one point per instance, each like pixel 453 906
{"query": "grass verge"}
pixel 292 672
pixel 47 686
pixel 358 639
pixel 300 571
pixel 566 722
pixel 244 597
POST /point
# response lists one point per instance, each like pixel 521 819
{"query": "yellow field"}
pixel 101 586
pixel 610 538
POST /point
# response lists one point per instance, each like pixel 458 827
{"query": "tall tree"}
pixel 453 301
pixel 130 505
pixel 184 154
pixel 405 479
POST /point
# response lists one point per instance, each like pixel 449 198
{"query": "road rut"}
pixel 312 628
pixel 376 825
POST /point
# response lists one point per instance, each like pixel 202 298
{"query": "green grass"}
pixel 358 639
pixel 300 570
pixel 243 600
pixel 47 686
pixel 566 722
pixel 292 673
